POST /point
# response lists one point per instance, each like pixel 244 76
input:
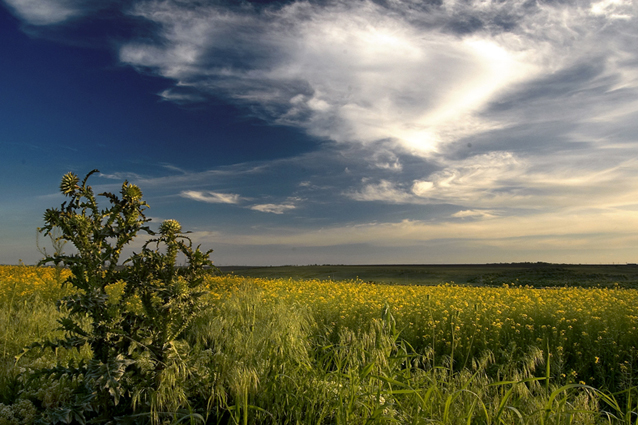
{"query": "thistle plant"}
pixel 131 314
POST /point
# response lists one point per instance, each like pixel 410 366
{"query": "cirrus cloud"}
pixel 211 197
pixel 53 12
pixel 273 208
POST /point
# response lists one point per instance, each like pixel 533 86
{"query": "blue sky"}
pixel 343 132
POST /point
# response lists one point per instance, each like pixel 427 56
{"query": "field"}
pixel 526 274
pixel 341 345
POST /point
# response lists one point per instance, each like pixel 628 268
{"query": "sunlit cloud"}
pixel 478 180
pixel 504 180
pixel 505 231
pixel 408 80
pixel 474 214
pixel 329 70
pixel 211 197
pixel 613 9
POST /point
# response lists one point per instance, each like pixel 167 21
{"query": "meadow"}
pixel 537 274
pixel 312 351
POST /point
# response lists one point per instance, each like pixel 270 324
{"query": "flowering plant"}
pixel 136 310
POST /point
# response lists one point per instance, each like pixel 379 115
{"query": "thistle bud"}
pixel 170 227
pixel 131 191
pixel 69 183
pixel 51 217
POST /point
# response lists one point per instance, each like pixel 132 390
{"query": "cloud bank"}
pixel 348 71
pixel 422 81
pixel 355 71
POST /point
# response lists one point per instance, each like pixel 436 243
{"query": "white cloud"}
pixel 482 180
pixel 613 9
pixel 211 197
pixel 273 208
pixel 477 180
pixel 404 79
pixel 385 191
pixel 50 12
pixel 480 214
pixel 505 180
pixel 386 160
pixel 394 81
pixel 121 176
pixel 349 72
pixel 181 97
pixel 174 168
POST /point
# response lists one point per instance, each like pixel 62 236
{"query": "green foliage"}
pixel 131 316
pixel 23 412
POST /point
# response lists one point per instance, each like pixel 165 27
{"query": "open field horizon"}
pixel 538 274
pixel 532 274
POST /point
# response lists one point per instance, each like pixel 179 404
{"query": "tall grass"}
pixel 591 334
pixel 312 352
pixel 272 363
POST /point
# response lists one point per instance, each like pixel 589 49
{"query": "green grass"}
pixel 273 352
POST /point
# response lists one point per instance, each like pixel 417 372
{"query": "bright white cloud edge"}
pixel 211 197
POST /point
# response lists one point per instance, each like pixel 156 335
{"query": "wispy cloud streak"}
pixel 273 208
pixel 211 197
pixel 52 12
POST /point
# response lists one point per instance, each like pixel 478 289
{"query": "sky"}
pixel 332 132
